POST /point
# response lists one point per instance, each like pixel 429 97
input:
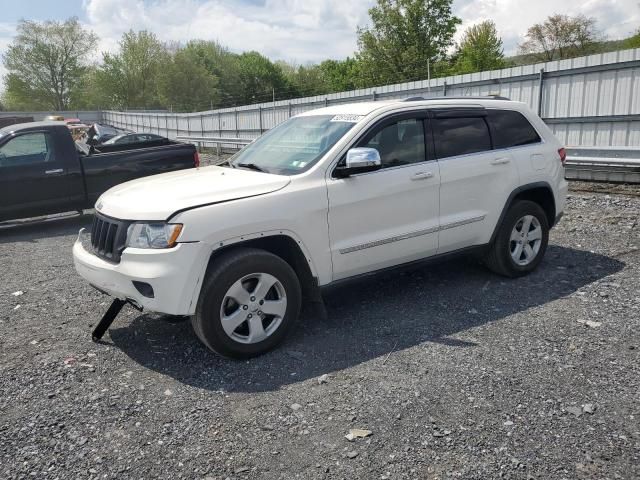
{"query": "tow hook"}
pixel 110 315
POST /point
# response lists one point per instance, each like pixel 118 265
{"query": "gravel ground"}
pixel 457 373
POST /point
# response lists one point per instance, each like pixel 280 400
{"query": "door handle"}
pixel 54 171
pixel 422 175
pixel 500 161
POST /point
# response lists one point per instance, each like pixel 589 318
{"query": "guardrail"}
pixel 603 164
pixel 218 141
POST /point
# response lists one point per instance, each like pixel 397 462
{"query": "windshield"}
pixel 295 145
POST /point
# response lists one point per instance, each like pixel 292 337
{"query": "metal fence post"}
pixel 540 88
pixel 444 89
pixel 260 118
pixel 235 112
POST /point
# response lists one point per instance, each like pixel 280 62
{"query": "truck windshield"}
pixel 295 145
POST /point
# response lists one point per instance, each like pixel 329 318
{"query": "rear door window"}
pixel 27 149
pixel 511 129
pixel 460 136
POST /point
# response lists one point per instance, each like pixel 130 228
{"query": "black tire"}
pixel 222 274
pixel 499 258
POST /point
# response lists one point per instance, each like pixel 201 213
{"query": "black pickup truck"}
pixel 43 171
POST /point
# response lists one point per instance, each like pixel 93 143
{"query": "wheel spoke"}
pixel 256 329
pixel 274 307
pixel 517 254
pixel 528 252
pixel 265 283
pixel 238 293
pixel 535 234
pixel 233 321
pixel 526 224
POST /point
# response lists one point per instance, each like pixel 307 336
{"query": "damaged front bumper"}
pixel 160 280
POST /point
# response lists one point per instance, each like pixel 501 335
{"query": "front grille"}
pixel 108 237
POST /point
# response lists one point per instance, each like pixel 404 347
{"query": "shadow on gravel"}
pixel 33 230
pixel 366 321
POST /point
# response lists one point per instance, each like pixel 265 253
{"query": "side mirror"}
pixel 360 160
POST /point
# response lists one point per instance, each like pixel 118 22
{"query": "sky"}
pixel 300 31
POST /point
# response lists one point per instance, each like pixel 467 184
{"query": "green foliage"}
pixel 480 49
pixel 560 37
pixel 302 80
pixel 185 84
pixel 129 79
pixel 633 42
pixel 223 65
pixel 260 78
pixel 406 37
pixel 341 75
pixel 46 63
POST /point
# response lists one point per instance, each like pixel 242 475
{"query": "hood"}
pixel 159 196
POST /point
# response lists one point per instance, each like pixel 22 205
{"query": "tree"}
pixel 260 78
pixel 129 79
pixel 222 64
pixel 405 38
pixel 186 85
pixel 304 80
pixel 480 49
pixel 560 37
pixel 341 75
pixel 46 62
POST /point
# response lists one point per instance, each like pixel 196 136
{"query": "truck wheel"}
pixel 521 240
pixel 249 301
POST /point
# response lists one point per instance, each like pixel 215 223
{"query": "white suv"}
pixel 328 195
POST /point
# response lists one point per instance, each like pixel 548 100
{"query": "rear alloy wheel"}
pixel 521 240
pixel 525 241
pixel 249 301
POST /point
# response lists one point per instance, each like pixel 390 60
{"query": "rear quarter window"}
pixel 511 129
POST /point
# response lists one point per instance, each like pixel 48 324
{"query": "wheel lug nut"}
pixel 244 307
pixel 249 316
pixel 261 302
pixel 260 313
pixel 253 299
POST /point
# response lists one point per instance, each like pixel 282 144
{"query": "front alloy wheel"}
pixel 253 308
pixel 249 301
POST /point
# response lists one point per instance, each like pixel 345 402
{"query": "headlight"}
pixel 153 235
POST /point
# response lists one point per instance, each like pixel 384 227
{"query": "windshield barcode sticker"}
pixel 347 118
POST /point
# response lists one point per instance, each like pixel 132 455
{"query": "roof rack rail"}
pixel 458 97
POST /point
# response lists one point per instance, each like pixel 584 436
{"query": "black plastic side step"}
pixel 107 319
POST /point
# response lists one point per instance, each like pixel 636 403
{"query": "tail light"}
pixel 563 155
pixel 196 159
